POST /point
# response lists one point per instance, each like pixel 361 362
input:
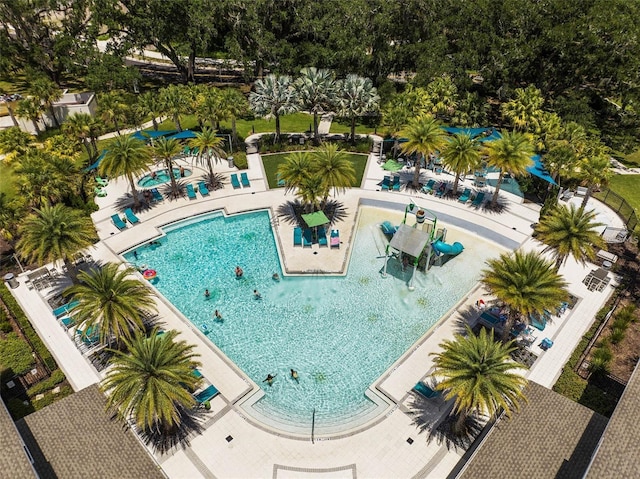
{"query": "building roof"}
pixel 410 240
pixel 550 437
pixel 14 461
pixel 75 437
pixel 618 454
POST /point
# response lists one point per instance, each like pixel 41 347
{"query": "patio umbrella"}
pixel 392 165
pixel 316 219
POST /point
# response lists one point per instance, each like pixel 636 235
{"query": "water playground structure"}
pixel 422 242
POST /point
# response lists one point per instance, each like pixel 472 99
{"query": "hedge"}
pixel 56 378
pixel 29 332
pixel 15 354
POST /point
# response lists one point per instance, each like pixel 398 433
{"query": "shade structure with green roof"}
pixel 315 219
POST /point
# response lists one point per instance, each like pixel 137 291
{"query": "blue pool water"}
pixel 339 333
pixel 162 176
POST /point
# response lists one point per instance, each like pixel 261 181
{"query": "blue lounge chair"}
pixel 131 217
pixel 297 236
pixel 280 181
pixel 322 237
pixel 538 322
pixel 157 196
pixel 425 391
pixel 428 188
pixel 202 188
pixel 234 181
pixel 466 194
pixel 335 239
pixel 307 238
pixel 65 308
pixel 386 183
pixel 546 343
pixel 477 201
pixel 396 183
pixel 388 229
pixel 191 193
pixel 67 321
pixel 117 221
pixel 206 394
pixel 245 180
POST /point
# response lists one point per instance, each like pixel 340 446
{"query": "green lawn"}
pixel 627 186
pixel 6 180
pixel 339 125
pixel 273 161
pixel 632 160
pixel 295 123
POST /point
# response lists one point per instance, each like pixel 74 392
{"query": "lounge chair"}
pixel 202 188
pixel 65 308
pixel 186 150
pixel 99 192
pixel 245 180
pixel 234 181
pixel 546 343
pixel 335 239
pixel 322 237
pixel 425 391
pixel 117 221
pixel 388 229
pixel 157 196
pixel 67 321
pixel 280 181
pixel 428 188
pixel 477 201
pixel 297 236
pixel 396 183
pixel 102 181
pixel 131 217
pixel 386 183
pixel 191 193
pixel 307 237
pixel 206 394
pixel 466 194
pixel 441 190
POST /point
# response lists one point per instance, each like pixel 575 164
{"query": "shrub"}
pixel 56 378
pixel 240 160
pixel 5 327
pixel 51 398
pixel 570 385
pixel 600 359
pixel 617 335
pixel 15 354
pixel 29 332
pixel 620 323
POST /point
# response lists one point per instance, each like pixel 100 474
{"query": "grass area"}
pixel 343 125
pixel 631 160
pixel 6 180
pixel 627 186
pixel 296 122
pixel 273 161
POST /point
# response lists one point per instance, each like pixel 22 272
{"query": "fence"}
pixel 618 204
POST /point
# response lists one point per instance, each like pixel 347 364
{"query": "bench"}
pixel 606 256
pixel 581 191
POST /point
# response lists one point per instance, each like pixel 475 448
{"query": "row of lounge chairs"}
pixel 440 189
pixel 244 179
pixel 389 183
pixel 129 216
pixel 304 237
pixel 202 189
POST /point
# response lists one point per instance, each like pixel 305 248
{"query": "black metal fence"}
pixel 618 204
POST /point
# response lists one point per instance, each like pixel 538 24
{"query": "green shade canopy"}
pixel 315 219
pixel 392 165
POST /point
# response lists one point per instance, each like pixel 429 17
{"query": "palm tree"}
pixel 14 143
pixel 209 106
pixel 310 190
pixel 209 145
pixel 166 150
pixel 149 103
pixel 395 117
pixel 478 372
pixel 111 301
pixel 335 169
pixel 461 154
pixel 150 383
pixel 30 108
pixel 295 169
pixel 235 104
pixel 524 112
pixel 593 172
pixel 126 156
pixel 510 154
pixel 356 97
pixel 55 233
pixel 112 108
pixel 174 100
pixel 570 231
pixel 273 96
pixel 79 125
pixel 47 93
pixel 316 89
pixel 425 136
pixel 526 283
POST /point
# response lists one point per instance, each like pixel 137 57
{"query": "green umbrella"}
pixel 392 165
pixel 315 219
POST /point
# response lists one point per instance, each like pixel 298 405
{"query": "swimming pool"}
pixel 339 333
pixel 162 176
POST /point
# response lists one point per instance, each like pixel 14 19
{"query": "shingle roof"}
pixel 550 437
pixel 75 437
pixel 619 451
pixel 14 461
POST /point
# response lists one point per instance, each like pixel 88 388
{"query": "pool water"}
pixel 339 333
pixel 162 176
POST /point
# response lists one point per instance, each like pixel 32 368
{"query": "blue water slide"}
pixel 446 248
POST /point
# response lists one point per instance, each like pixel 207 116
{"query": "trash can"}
pixel 11 279
pixel 230 160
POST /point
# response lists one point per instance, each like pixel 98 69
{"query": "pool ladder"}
pixel 313 426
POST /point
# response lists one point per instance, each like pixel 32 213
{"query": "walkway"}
pixel 390 445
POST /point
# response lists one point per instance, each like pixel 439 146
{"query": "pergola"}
pixel 411 241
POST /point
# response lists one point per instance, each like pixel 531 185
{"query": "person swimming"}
pixel 269 379
pixel 239 272
pixel 135 254
pixel 294 375
pixel 275 277
pixel 217 315
pixel 207 294
pixel 256 294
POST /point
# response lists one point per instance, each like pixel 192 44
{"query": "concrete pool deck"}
pixel 376 449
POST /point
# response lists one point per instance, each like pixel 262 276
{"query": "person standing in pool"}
pixel 294 375
pixel 239 272
pixel 135 255
pixel 256 294
pixel 207 294
pixel 217 315
pixel 275 277
pixel 269 379
pixel 181 172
